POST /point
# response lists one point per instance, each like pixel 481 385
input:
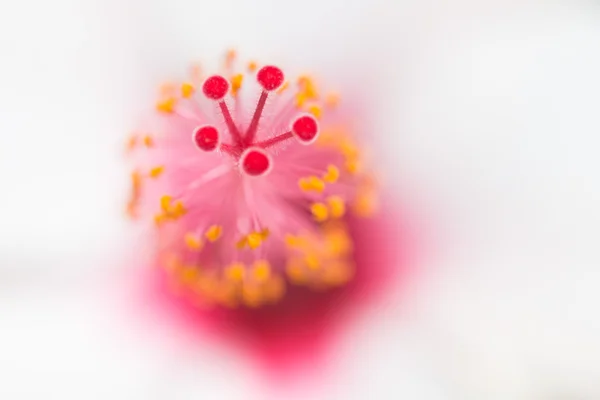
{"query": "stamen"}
pixel 148 141
pixel 255 162
pixel 261 271
pixel 165 203
pixel 156 171
pixel 236 84
pixel 132 142
pixel 188 275
pixel 295 271
pixel 214 233
pixel 332 175
pixel 332 100
pixel 283 88
pixel 254 240
pixel 207 138
pixel 187 90
pixel 251 295
pixel 320 212
pixel 235 272
pixel 337 207
pixel 193 242
pixel 167 105
pixel 270 78
pixel 312 261
pixel 316 110
pixel 311 183
pixel 230 58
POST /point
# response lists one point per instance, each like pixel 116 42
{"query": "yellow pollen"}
pixel 236 84
pixel 337 207
pixel 242 243
pixel 316 110
pixel 283 87
pixel 337 242
pixel 332 100
pixel 295 271
pixel 136 189
pixel 157 171
pixel 311 183
pixel 159 219
pixel 252 66
pixel 349 150
pixel 172 262
pixel 365 204
pixel 235 272
pixel 261 271
pixel 308 87
pixel 352 166
pixel 187 90
pixel 332 175
pixel 167 89
pixel 225 293
pixel 312 261
pixel 214 233
pixel 167 105
pixel 301 100
pixel 230 58
pixel 178 210
pixel 254 240
pixel 319 211
pixel 297 242
pixel 148 141
pixel 192 241
pixel 188 274
pixel 165 203
pixel 265 233
pixel 131 142
pixel 291 240
pixel 196 73
pixel 337 273
pixel 251 295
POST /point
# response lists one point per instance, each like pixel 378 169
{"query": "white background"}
pixel 487 115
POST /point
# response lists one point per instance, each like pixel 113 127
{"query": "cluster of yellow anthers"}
pixel 315 262
pixel 238 284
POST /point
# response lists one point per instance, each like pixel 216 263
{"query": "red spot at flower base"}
pixel 294 338
pixel 206 138
pixel 215 87
pixel 270 77
pixel 255 162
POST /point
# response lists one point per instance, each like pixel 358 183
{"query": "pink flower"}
pixel 257 188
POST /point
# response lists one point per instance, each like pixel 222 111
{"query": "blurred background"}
pixel 484 114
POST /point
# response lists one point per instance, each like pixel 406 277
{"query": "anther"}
pixel 187 90
pixel 206 138
pixel 214 233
